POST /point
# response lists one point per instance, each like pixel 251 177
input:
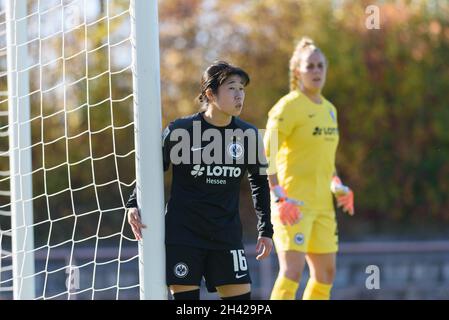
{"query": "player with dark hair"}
pixel 210 151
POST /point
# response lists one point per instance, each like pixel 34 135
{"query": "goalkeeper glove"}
pixel 343 194
pixel 287 207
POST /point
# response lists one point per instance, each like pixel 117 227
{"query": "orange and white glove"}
pixel 343 194
pixel 287 207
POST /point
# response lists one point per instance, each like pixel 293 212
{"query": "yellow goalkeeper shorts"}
pixel 316 232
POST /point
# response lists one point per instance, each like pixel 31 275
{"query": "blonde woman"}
pixel 302 167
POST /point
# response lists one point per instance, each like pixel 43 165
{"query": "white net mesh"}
pixel 80 95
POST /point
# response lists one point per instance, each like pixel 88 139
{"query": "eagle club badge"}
pixel 235 150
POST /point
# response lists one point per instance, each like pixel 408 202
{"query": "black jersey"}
pixel 203 208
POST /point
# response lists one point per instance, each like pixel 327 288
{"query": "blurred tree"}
pixel 388 84
pixel 83 111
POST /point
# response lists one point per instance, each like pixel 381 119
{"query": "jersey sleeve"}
pixel 166 145
pixel 132 201
pixel 336 120
pixel 260 191
pixel 280 125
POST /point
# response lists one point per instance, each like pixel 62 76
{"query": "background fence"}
pixel 408 270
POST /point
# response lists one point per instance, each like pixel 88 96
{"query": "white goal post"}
pixel 80 89
pixel 22 234
pixel 147 119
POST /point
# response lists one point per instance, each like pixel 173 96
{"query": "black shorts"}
pixel 188 265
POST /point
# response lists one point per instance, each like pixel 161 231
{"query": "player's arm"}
pixel 261 198
pixel 133 214
pixel 278 128
pixel 343 194
pixel 288 208
pixel 260 191
pixel 166 146
pixel 132 201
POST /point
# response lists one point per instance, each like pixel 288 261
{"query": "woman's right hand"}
pixel 288 208
pixel 135 222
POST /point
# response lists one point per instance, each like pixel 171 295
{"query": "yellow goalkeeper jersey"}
pixel 307 136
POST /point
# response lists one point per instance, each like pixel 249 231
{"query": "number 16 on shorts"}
pixel 239 259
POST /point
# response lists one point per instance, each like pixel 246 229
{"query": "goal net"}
pixel 67 149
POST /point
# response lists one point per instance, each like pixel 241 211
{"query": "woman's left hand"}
pixel 346 201
pixel 343 194
pixel 265 245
